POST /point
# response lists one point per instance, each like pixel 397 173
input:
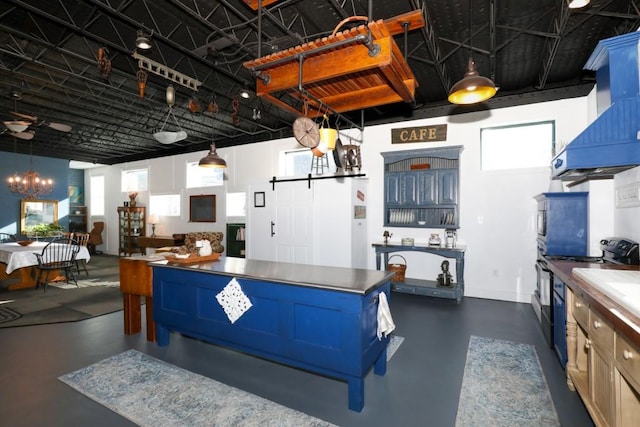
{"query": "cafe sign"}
pixel 419 134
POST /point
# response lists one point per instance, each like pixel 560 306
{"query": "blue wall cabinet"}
pixel 421 188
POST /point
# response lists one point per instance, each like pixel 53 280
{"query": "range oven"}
pixel 615 250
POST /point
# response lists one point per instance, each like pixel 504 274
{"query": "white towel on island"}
pixel 385 321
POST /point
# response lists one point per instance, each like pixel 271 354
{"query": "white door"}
pixel 260 243
pixel 282 230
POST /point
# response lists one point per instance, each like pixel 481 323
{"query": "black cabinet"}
pixel 421 188
pixel 78 219
pixel 236 240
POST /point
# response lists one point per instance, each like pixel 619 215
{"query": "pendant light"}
pixel 577 4
pixel 212 160
pixel 473 88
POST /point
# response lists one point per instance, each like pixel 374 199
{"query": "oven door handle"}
pixel 542 264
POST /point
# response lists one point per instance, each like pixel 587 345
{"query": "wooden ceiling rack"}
pixel 350 70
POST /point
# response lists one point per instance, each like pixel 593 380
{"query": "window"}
pixel 298 162
pixel 96 184
pixel 164 204
pixel 519 146
pixel 134 180
pixel 203 177
pixel 236 204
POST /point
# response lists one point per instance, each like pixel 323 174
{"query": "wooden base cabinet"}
pixel 602 366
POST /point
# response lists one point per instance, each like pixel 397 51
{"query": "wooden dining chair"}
pixel 59 255
pixel 83 240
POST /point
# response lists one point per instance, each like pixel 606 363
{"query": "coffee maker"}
pixel 450 238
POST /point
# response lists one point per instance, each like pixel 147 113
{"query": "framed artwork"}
pixel 258 199
pixel 202 208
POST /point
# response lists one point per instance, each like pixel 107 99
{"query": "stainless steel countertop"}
pixel 352 280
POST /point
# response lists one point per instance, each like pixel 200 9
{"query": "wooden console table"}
pixel 145 242
pixel 420 286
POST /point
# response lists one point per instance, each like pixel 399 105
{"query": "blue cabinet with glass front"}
pixel 421 188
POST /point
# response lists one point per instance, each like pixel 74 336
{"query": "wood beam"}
pixel 352 59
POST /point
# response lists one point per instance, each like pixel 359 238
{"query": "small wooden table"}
pixel 136 280
pixel 145 242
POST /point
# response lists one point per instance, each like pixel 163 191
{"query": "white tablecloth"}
pixel 16 256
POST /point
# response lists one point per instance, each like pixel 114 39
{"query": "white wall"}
pixel 497 208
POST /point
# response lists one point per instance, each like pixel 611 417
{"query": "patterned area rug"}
pixel 150 392
pixel 503 385
pixel 85 284
pixel 61 303
pixel 8 315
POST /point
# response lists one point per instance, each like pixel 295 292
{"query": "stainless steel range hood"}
pixel 611 143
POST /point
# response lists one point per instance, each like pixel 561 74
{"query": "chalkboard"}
pixel 202 208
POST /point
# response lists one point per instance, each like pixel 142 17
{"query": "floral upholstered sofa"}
pixel 215 237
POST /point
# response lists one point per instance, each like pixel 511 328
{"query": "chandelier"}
pixel 30 184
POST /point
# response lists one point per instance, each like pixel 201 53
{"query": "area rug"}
pixel 393 346
pixel 503 385
pixel 86 283
pixel 8 315
pixel 58 305
pixel 150 392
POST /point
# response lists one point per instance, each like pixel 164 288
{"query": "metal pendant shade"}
pixel 212 160
pixel 473 88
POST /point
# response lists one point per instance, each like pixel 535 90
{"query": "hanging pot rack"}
pixel 353 69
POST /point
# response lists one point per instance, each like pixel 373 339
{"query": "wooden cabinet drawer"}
pixel 600 332
pixel 628 360
pixel 580 311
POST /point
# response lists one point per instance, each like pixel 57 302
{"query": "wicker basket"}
pixel 398 269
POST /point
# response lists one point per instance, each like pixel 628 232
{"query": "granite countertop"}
pixel 622 319
pixel 352 280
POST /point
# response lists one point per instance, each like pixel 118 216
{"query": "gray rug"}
pixel 61 303
pixel 503 385
pixel 150 392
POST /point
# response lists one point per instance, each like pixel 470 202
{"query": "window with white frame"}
pixel 298 162
pixel 134 180
pixel 236 204
pixel 204 177
pixel 96 187
pixel 164 204
pixel 527 145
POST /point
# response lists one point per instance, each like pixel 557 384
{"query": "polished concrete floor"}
pixel 421 386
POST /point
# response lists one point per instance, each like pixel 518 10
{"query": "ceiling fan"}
pixel 26 134
pixel 19 126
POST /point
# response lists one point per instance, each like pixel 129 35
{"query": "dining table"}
pixel 18 264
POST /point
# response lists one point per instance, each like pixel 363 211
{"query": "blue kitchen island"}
pixel 317 318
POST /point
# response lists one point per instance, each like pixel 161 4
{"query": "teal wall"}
pixel 57 169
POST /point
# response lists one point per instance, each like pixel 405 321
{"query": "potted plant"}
pixel 45 230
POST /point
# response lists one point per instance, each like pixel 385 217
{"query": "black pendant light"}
pixel 473 88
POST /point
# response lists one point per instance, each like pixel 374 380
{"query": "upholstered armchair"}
pixel 215 237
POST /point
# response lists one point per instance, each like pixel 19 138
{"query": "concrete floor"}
pixel 421 386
